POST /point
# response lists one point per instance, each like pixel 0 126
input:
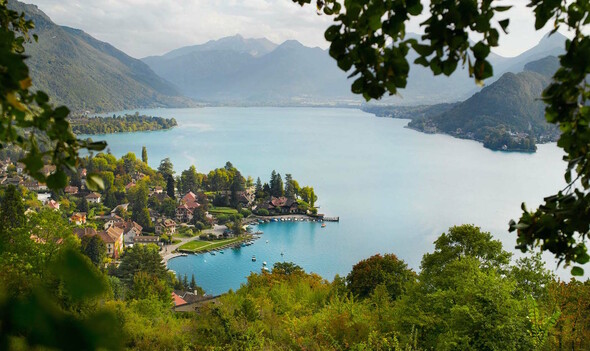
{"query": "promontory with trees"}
pixel 120 124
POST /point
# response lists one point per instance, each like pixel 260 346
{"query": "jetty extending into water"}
pixel 331 219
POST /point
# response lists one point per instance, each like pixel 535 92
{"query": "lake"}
pixel 395 190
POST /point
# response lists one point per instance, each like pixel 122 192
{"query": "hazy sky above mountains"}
pixel 153 27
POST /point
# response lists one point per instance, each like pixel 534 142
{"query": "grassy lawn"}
pixel 222 210
pixel 198 245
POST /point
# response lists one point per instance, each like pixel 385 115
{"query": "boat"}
pixel 323 225
pixel 221 252
pixel 184 254
pixel 264 263
pixel 265 269
pixel 267 241
pixel 259 232
pixel 253 258
pixel 282 253
pixel 212 253
pixel 243 245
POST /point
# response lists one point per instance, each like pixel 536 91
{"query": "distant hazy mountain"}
pixel 509 106
pixel 241 70
pixel 550 45
pixel 83 73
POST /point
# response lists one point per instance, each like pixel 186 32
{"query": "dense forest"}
pixel 119 124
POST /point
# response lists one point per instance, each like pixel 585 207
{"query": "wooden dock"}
pixel 331 219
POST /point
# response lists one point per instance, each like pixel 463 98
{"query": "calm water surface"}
pixel 394 189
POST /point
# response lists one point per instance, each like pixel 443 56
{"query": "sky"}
pixel 153 27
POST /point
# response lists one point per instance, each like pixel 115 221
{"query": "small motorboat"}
pixel 221 252
pixel 323 225
pixel 253 258
pixel 212 253
pixel 265 269
pixel 267 241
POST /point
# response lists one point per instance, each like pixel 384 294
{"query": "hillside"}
pixel 84 73
pixel 505 115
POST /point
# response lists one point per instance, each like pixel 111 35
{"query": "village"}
pixel 138 206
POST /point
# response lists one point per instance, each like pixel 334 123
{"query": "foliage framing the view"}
pixel 370 36
pixel 27 118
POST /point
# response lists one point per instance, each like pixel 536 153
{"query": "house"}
pixel 130 230
pixel 282 205
pixel 82 232
pixel 52 204
pixel 20 167
pixel 113 238
pixel 71 190
pixel 158 189
pixel 130 185
pixel 165 226
pixel 112 220
pixel 177 299
pixel 147 239
pixel 93 198
pixel 78 218
pixel 188 204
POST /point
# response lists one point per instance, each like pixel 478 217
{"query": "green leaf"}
pixel 332 32
pixel 502 8
pixel 504 24
pixel 480 51
pixel 79 275
pixel 94 182
pixel 57 180
pixel 577 271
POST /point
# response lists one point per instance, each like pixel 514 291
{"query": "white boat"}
pixel 267 241
pixel 264 263
pixel 253 258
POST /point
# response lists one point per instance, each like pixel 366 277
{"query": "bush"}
pixel 203 236
pixel 262 212
pixel 245 212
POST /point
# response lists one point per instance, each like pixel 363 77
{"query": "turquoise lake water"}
pixel 395 190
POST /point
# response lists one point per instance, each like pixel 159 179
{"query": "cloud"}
pixel 153 27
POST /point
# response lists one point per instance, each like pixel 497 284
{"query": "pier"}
pixel 331 219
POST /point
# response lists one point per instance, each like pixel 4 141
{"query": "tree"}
pixel 12 210
pixel 94 248
pixel 236 187
pixel 386 270
pixel 144 155
pixel 166 168
pixel 371 38
pixel 193 284
pixel 185 281
pixel 289 188
pixel 141 258
pixel 276 184
pixel 190 180
pixel 258 189
pixel 170 186
pixel 139 201
pixel 82 205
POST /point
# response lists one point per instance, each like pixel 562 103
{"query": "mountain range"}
pixel 507 111
pixel 84 73
pixel 239 70
pixel 87 74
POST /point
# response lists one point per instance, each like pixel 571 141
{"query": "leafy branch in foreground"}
pixel 26 117
pixel 370 36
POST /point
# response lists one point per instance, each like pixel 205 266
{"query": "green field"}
pixel 199 245
pixel 222 210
